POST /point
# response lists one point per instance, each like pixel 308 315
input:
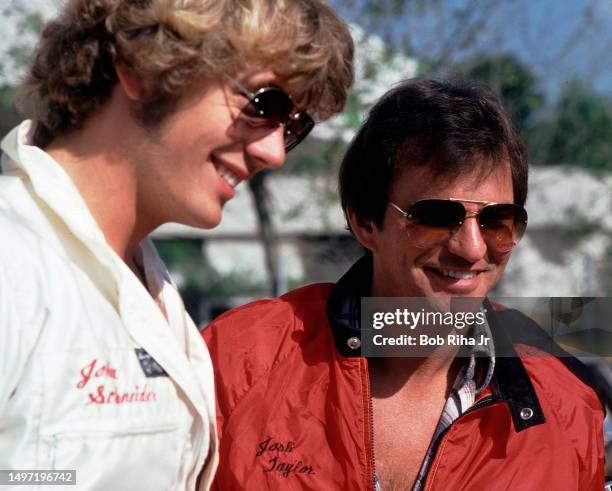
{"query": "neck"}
pixel 414 375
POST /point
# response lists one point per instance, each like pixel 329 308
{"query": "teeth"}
pixel 232 179
pixel 460 275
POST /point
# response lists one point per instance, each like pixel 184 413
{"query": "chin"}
pixel 208 224
pixel 206 221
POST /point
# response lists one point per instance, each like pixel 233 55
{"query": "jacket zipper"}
pixel 484 402
pixel 371 416
pixel 372 442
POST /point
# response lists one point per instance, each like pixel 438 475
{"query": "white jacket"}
pixel 92 375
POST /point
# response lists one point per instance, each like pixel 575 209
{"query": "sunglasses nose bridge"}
pixel 460 223
pixel 470 214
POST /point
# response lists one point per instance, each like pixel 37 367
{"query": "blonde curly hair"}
pixel 173 44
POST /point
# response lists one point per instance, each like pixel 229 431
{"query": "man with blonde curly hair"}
pixel 143 112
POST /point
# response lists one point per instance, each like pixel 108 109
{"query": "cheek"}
pixel 421 257
pixel 192 138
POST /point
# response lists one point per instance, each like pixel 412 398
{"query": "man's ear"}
pixel 130 82
pixel 365 230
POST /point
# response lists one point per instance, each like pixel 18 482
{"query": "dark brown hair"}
pixel 451 129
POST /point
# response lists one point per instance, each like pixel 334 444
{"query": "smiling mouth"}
pixel 454 274
pixel 460 275
pixel 228 176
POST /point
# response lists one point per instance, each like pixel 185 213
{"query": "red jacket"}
pixel 293 407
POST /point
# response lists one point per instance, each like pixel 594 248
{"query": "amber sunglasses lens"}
pixel 434 220
pixel 502 225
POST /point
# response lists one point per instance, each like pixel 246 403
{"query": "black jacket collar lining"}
pixel 510 379
pixel 344 305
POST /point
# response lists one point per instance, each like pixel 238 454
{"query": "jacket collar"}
pixel 344 306
pixel 52 184
pixel 511 382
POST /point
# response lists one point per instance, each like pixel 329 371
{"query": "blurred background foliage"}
pixel 548 63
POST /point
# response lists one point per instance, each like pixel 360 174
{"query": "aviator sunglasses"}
pixel 432 221
pixel 270 107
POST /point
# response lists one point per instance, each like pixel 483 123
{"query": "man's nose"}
pixel 467 242
pixel 268 151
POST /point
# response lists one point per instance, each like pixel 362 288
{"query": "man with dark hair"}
pixel 433 187
pixel 142 113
